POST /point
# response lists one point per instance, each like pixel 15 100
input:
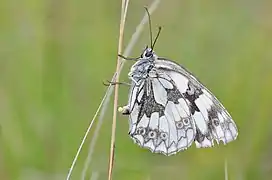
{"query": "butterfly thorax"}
pixel 141 69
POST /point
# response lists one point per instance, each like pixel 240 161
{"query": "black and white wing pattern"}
pixel 160 117
pixel 169 108
pixel 212 121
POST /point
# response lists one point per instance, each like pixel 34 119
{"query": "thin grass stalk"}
pixel 96 133
pixel 128 49
pixel 226 169
pixel 85 136
pixel 115 103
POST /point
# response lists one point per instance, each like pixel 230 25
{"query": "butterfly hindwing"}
pixel 160 120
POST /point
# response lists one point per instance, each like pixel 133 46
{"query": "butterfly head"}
pixel 148 54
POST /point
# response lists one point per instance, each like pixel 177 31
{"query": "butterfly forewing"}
pixel 212 120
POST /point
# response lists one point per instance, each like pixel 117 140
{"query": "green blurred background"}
pixel 54 55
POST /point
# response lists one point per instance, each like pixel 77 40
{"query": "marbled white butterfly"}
pixel 169 108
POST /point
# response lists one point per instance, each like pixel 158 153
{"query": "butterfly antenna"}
pixel 150 30
pixel 158 34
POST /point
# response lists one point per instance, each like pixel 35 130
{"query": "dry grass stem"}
pixel 115 104
pixel 226 169
pixel 128 49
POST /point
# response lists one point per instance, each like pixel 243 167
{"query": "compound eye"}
pixel 148 54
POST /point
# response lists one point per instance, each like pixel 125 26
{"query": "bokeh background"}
pixel 55 54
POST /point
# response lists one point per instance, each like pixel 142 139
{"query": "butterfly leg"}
pixel 114 83
pixel 128 58
pixel 136 82
pixel 125 109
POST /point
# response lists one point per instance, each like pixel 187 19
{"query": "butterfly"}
pixel 169 108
